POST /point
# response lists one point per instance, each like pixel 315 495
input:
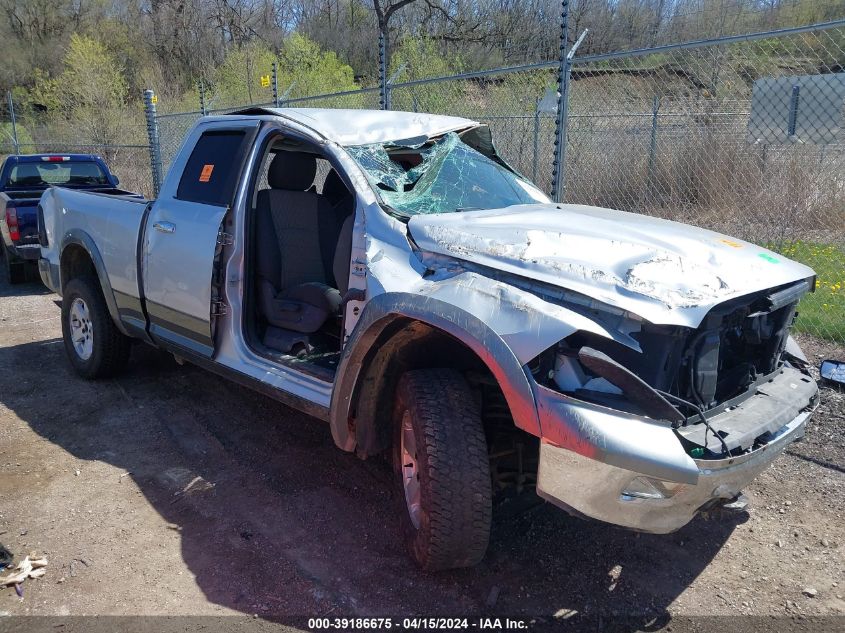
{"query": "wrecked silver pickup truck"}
pixel 389 273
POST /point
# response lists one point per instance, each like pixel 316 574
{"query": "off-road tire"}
pixel 110 348
pixel 453 468
pixel 15 271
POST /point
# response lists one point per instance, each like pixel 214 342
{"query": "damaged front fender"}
pixel 385 309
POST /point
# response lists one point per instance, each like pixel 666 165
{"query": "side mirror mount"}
pixel 833 371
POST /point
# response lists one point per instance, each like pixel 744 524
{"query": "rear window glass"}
pixel 70 172
pixel 212 169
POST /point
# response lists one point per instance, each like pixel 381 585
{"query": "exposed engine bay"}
pixel 695 379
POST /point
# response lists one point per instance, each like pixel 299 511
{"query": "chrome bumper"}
pixel 588 471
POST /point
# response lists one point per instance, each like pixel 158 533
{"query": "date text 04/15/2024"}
pixel 417 624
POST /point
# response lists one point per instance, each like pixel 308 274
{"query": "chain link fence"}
pixel 743 136
pixel 124 145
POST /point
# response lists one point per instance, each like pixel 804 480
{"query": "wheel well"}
pixel 76 262
pixel 402 346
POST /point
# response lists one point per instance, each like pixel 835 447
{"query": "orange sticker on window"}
pixel 205 174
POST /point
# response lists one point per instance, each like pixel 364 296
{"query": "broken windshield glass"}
pixel 442 176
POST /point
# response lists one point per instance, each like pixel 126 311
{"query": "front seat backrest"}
pixel 294 219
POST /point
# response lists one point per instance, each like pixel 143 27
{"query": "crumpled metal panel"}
pixel 665 272
pixel 527 323
pixel 364 127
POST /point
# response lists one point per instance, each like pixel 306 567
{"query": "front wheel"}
pixel 443 470
pixel 94 345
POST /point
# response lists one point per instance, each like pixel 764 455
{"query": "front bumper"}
pixel 592 466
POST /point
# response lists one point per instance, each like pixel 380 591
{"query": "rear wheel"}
pixel 94 345
pixel 443 470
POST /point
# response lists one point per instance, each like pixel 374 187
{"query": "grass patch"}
pixel 821 313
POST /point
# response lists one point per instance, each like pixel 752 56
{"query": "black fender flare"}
pixel 81 238
pixel 385 309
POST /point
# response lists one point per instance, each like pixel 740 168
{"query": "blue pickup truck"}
pixel 22 181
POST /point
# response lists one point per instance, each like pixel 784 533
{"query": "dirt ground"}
pixel 172 491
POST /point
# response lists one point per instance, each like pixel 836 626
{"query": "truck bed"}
pixel 114 215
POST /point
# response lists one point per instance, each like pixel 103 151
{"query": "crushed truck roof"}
pixel 365 127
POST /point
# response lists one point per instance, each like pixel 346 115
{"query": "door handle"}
pixel 164 227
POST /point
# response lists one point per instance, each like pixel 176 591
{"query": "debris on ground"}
pixel 32 566
pixel 197 484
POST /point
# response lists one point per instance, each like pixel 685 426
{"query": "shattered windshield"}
pixel 441 176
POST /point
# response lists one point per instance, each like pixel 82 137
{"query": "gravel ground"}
pixel 172 491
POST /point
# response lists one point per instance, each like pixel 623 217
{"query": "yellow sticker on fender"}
pixel 731 243
pixel 205 174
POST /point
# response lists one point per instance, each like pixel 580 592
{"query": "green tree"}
pixel 94 90
pixel 311 70
pixel 87 100
pixel 422 59
pixel 237 81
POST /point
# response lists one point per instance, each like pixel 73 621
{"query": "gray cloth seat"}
pixel 296 236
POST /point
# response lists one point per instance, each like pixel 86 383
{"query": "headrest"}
pixel 27 170
pixel 293 171
pixel 333 188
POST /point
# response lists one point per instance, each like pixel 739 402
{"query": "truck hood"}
pixel 665 272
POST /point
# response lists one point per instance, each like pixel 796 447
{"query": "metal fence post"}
pixel 536 161
pixel 384 89
pixel 562 120
pixel 152 134
pixel 558 165
pixel 14 124
pixel 652 150
pixel 793 110
pixel 275 85
pixel 202 97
